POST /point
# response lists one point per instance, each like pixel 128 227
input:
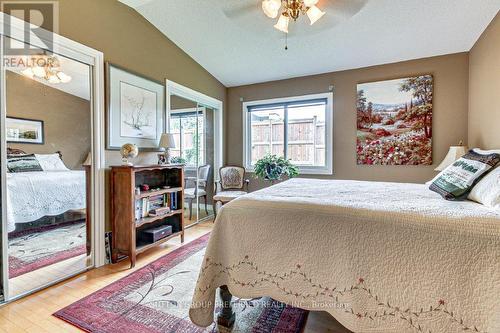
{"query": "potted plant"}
pixel 178 160
pixel 273 168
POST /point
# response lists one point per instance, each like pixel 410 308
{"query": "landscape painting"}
pixel 138 112
pixel 20 130
pixel 394 122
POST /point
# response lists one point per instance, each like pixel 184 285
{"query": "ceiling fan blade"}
pixel 344 8
pixel 242 10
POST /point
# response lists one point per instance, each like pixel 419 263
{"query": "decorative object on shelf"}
pixel 394 121
pixel 273 168
pixel 144 187
pixel 454 154
pixel 135 109
pixel 291 9
pixel 21 130
pixel 46 68
pixel 129 151
pixel 167 142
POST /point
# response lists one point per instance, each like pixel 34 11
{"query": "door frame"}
pixel 95 59
pixel 173 88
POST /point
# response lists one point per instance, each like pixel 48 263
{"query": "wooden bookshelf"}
pixel 126 228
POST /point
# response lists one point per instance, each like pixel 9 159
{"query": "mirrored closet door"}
pixel 48 167
pixel 192 124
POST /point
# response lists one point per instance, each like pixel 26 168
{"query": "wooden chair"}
pixel 232 184
pixel 199 190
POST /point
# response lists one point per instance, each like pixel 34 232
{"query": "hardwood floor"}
pixel 42 276
pixel 33 314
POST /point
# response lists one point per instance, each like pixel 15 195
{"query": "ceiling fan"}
pixel 337 10
pixel 291 9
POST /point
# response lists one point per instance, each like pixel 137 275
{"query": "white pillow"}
pixel 487 191
pixel 51 162
pixel 486 152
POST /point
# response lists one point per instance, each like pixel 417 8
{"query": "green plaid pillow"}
pixel 456 181
pixel 23 163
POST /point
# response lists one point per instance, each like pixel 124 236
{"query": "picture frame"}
pixel 24 130
pixel 135 109
pixel 394 121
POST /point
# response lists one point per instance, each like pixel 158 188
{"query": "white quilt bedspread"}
pixel 379 257
pixel 32 195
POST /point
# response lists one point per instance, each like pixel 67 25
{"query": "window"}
pixel 297 128
pixel 188 131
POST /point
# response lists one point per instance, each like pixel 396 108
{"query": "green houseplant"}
pixel 273 168
pixel 177 160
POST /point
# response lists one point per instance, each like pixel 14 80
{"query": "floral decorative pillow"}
pixel 457 180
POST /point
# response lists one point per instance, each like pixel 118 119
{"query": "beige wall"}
pixel 66 118
pixel 484 89
pixel 131 42
pixel 450 112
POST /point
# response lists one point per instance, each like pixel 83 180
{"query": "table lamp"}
pixel 454 154
pixel 167 142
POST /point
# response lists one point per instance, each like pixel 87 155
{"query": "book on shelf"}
pixel 156 204
pixel 159 211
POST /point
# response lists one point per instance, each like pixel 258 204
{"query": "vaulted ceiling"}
pixel 236 42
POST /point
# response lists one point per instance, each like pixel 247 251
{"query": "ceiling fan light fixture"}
pixel 38 71
pixel 282 24
pixel 310 3
pixel 271 8
pixel 63 77
pixel 314 14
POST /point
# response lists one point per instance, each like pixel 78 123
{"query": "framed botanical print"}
pixel 136 108
pixel 394 121
pixel 21 130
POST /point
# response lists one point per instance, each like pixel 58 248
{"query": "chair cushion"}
pixel 189 193
pixel 226 196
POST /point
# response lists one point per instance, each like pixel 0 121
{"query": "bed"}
pixel 379 257
pixel 33 195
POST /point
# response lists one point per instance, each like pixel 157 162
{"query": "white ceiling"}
pixel 242 47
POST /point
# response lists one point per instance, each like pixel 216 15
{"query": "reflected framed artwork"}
pixel 22 130
pixel 136 108
pixel 394 121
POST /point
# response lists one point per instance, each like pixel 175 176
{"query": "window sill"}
pixel 305 171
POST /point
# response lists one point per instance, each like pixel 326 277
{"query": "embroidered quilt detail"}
pixel 415 318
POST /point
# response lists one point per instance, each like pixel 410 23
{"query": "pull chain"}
pixel 286 41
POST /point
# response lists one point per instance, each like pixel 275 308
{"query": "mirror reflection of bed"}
pixel 48 131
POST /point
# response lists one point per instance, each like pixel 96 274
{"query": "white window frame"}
pixel 327 169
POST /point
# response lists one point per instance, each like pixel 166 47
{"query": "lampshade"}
pixel 88 160
pixel 282 24
pixel 310 3
pixel 271 8
pixel 167 141
pixel 454 154
pixel 314 14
